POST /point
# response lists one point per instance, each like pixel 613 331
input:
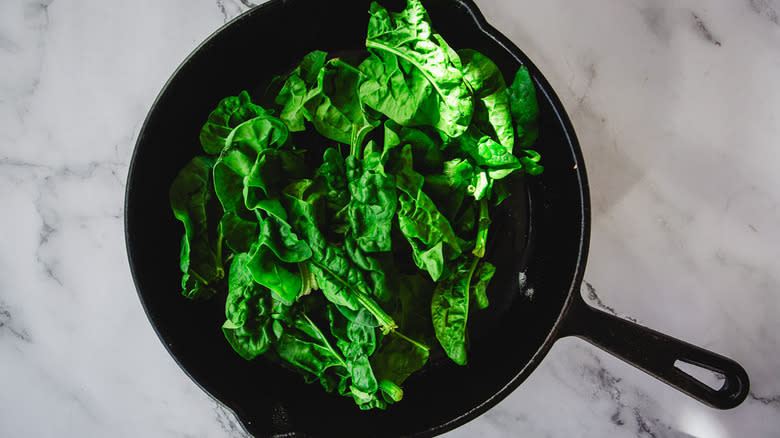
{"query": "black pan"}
pixel 541 235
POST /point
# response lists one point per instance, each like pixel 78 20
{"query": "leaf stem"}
pixel 385 320
pixel 411 341
pixel 482 229
pixel 380 46
pixel 198 277
pixel 324 340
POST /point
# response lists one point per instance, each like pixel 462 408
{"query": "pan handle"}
pixel 656 354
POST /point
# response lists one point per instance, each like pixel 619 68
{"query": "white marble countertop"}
pixel 676 105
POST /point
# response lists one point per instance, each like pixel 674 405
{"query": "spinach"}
pixel 373 202
pixel 201 255
pixel 334 106
pixel 247 308
pixel 354 253
pixel 525 109
pixel 492 113
pixel 230 112
pixel 480 280
pixel 450 308
pixel 426 229
pixel 413 76
pixel 294 93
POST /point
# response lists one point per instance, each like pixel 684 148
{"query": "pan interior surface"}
pixel 539 234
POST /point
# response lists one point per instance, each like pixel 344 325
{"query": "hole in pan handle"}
pixel 656 354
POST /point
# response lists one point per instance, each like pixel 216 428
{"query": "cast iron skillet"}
pixel 541 235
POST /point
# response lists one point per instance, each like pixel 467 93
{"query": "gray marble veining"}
pixel 678 113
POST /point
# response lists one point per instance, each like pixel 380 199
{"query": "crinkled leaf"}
pixel 524 107
pixel 200 258
pixel 334 106
pixel 247 173
pixel 277 235
pixel 372 204
pixel 230 112
pixel 380 268
pixel 426 152
pixel 413 76
pixel 247 308
pixel 479 283
pixel 294 92
pixel 283 279
pixel 239 233
pixel 357 342
pixel 333 174
pixel 397 359
pixel 450 307
pixel 307 354
pixel 426 229
pixel 491 110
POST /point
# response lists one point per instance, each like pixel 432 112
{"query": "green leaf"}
pixel 341 282
pixel 397 359
pixel 372 205
pixel 334 106
pixel 248 324
pixel 479 283
pixel 259 133
pixel 524 107
pixel 295 90
pixel 426 152
pixel 332 173
pixel 201 256
pixel 248 342
pixel 283 279
pixel 239 233
pixel 230 112
pixel 450 307
pixel 412 75
pixel 248 171
pixel 380 268
pixel 492 114
pixel 307 349
pixel 277 235
pixel 426 229
pixel 357 342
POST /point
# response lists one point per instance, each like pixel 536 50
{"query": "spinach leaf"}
pixel 201 256
pixel 230 112
pixel 479 283
pixel 334 106
pixel 306 348
pixel 296 87
pixel 397 359
pixel 380 268
pixel 450 308
pixel 373 202
pixel 341 282
pixel 333 174
pixel 425 228
pixel 239 233
pixel 524 107
pixel 283 279
pixel 240 178
pixel 492 114
pixel 427 153
pixel 248 312
pixel 277 235
pixel 357 342
pixel 412 75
